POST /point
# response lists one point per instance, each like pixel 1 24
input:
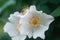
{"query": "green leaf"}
pixel 56 12
pixel 43 1
pixel 44 8
pixel 2 2
pixel 5 36
pixel 2 23
pixel 54 1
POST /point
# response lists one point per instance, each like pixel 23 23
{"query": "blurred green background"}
pixel 51 7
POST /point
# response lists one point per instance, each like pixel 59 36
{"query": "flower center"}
pixel 24 10
pixel 34 21
pixel 18 26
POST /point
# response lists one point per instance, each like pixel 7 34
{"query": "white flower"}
pixel 12 27
pixel 35 23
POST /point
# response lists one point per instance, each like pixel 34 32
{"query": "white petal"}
pixel 26 29
pixel 19 37
pixel 26 18
pixel 10 29
pixel 32 8
pixel 17 14
pixel 13 19
pixel 39 12
pixel 46 19
pixel 39 32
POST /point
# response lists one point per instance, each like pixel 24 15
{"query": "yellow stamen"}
pixel 34 21
pixel 18 26
pixel 24 10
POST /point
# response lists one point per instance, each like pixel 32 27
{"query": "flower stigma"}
pixel 35 21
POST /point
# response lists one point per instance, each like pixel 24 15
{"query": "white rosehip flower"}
pixel 35 23
pixel 12 27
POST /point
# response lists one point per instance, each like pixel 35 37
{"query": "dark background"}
pixel 51 7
